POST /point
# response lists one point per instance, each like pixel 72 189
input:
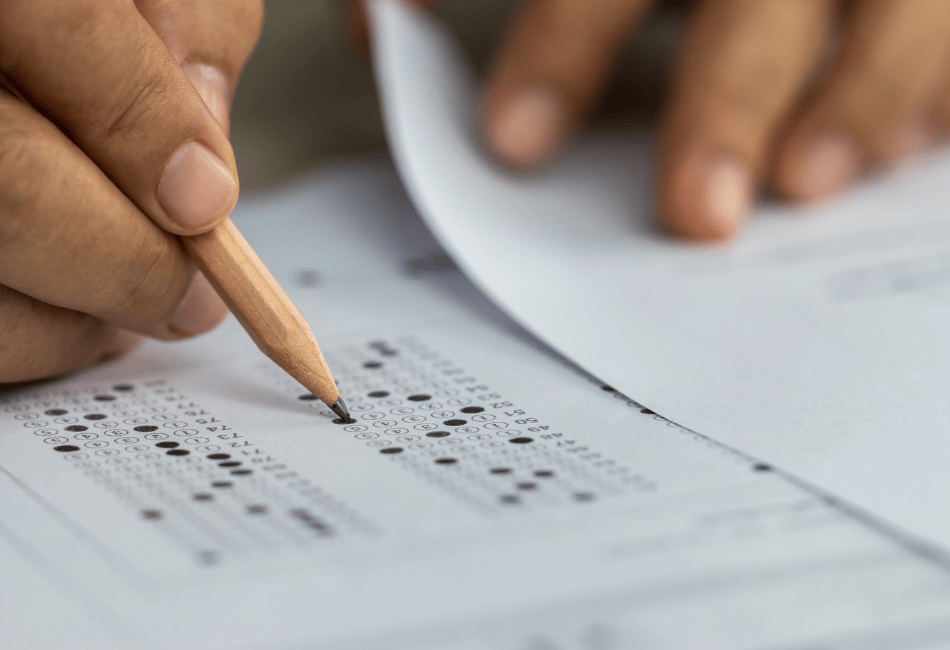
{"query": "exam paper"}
pixel 490 496
pixel 818 340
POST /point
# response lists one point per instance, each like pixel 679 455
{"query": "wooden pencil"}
pixel 263 309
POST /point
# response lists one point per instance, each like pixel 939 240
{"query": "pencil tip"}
pixel 339 407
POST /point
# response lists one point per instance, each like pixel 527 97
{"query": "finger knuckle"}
pixel 869 110
pixel 6 323
pixel 144 290
pixel 748 98
pixel 39 340
pixel 22 179
pixel 139 107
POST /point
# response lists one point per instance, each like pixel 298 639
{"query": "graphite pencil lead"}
pixel 339 407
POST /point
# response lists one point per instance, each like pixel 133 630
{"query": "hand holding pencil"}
pixel 90 256
pixel 110 147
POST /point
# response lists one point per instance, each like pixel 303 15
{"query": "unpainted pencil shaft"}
pixel 262 306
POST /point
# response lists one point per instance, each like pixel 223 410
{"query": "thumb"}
pixel 211 40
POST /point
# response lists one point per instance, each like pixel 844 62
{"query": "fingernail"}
pixel 199 311
pixel 831 164
pixel 197 188
pixel 727 195
pixel 214 89
pixel 523 131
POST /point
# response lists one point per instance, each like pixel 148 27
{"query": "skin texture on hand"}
pixel 113 140
pixel 797 97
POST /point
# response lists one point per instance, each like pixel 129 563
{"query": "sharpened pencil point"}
pixel 339 407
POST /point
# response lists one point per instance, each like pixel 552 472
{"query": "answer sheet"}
pixel 819 340
pixel 490 496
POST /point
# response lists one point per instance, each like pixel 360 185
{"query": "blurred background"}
pixel 307 95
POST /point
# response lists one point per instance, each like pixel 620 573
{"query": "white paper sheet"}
pixel 614 528
pixel 818 340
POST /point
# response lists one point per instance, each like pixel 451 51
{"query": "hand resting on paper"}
pixel 113 139
pixel 797 97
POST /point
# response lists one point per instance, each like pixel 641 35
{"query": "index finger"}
pixel 98 70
